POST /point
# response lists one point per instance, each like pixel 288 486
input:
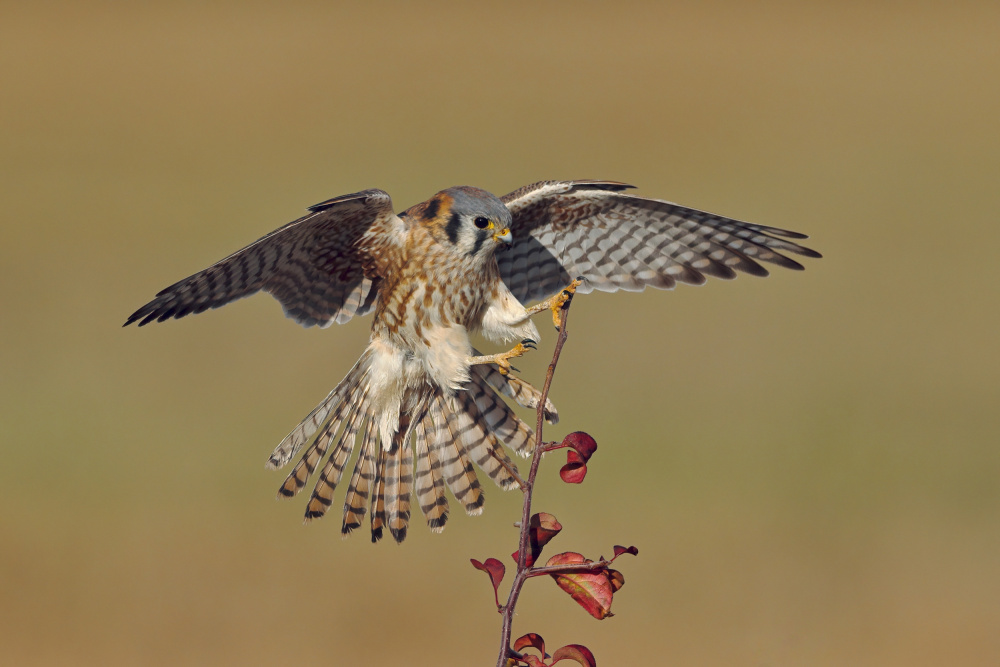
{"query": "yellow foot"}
pixel 502 360
pixel 560 300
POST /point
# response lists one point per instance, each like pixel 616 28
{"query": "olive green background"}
pixel 809 464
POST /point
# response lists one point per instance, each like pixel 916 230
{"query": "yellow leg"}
pixel 556 302
pixel 502 360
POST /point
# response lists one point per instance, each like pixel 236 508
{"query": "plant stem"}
pixel 523 571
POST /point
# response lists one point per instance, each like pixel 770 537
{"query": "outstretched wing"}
pixel 323 267
pixel 593 229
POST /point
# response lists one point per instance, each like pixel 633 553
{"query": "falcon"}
pixel 423 403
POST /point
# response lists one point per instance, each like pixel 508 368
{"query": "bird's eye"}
pixel 482 223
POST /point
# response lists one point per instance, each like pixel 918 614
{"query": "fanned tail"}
pixel 449 434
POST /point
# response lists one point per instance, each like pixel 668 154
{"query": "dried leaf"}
pixel 576 652
pixel 495 569
pixel 592 590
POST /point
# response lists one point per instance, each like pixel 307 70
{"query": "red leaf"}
pixel 495 569
pixel 541 528
pixel 533 640
pixel 576 652
pixel 544 527
pixel 619 550
pixel 584 445
pixel 592 590
pixel 533 661
pixel 575 469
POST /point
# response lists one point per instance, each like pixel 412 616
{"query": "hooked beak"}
pixel 503 236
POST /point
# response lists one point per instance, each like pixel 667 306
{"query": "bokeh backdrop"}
pixel 809 464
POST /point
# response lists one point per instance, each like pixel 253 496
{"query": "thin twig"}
pixel 523 571
pixel 568 568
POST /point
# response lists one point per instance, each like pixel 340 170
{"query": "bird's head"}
pixel 472 221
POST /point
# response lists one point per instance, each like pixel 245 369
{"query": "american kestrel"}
pixel 461 262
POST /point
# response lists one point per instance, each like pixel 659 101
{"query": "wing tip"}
pixel 613 186
pixel 367 195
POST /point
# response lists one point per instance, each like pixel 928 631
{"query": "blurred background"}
pixel 807 463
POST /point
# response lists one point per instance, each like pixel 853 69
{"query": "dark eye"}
pixel 482 223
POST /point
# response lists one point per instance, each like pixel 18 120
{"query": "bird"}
pixel 423 403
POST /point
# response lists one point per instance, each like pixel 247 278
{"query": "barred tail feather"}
pixel 481 445
pixel 524 394
pixel 322 495
pixel 428 483
pixel 292 443
pixel 378 498
pixel 456 467
pixel 499 418
pixel 358 491
pixel 398 472
pixel 300 474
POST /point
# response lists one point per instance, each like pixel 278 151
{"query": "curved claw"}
pixel 560 300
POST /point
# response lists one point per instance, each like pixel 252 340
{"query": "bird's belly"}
pixel 439 355
pixel 400 371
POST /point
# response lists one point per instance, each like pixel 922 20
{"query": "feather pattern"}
pixel 429 485
pixel 318 267
pixel 618 241
pixel 360 487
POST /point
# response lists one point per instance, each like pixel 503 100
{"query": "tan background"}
pixel 809 464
